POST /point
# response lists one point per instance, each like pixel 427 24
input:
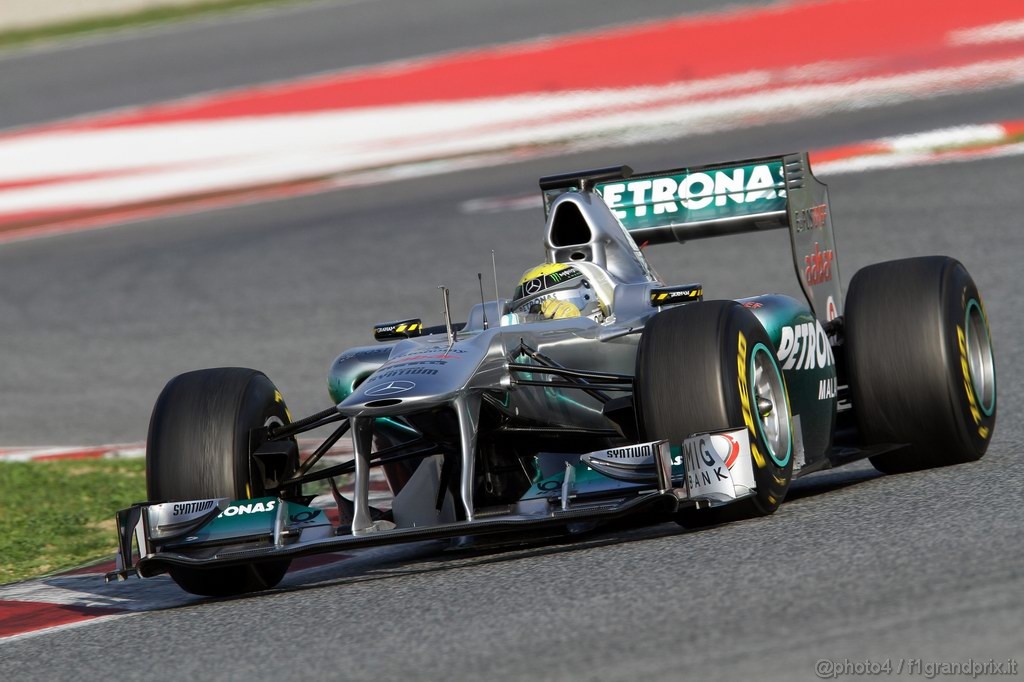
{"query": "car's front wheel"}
pixel 198 448
pixel 711 366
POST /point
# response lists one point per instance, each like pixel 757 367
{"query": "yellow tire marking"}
pixel 968 387
pixel 748 419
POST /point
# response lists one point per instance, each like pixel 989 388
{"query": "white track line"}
pixel 1003 32
pixel 160 162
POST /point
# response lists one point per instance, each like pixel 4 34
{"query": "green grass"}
pixel 148 16
pixel 56 515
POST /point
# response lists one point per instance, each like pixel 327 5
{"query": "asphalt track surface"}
pixel 95 323
pixel 855 565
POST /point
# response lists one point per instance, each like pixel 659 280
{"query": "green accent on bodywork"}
pixel 775 312
pixel 554 394
pixel 816 417
pixel 388 422
pixel 561 396
pixel 589 482
pixel 699 195
pixel 340 389
pixel 247 518
pixel 678 468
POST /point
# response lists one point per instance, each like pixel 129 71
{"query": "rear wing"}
pixel 722 199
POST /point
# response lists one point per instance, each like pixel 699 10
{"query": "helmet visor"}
pixel 578 293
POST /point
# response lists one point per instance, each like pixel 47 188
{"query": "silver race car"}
pixel 597 392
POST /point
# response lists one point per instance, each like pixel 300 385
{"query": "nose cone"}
pixel 419 377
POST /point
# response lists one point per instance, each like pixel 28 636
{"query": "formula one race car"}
pixel 596 393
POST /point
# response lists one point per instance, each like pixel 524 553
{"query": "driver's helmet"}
pixel 555 291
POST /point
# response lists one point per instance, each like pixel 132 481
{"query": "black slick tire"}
pixel 920 362
pixel 693 371
pixel 198 448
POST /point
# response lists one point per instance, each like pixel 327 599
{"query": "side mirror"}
pixel 402 329
pixel 686 293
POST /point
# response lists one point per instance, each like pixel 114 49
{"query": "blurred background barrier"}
pixel 440 113
pixel 23 14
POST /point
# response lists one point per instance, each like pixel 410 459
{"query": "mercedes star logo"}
pixel 533 286
pixel 391 388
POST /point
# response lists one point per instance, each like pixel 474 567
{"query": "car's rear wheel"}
pixel 710 366
pixel 920 362
pixel 198 448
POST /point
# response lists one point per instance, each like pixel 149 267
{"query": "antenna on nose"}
pixel 447 316
pixel 483 303
pixel 494 267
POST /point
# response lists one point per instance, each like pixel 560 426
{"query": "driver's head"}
pixel 555 291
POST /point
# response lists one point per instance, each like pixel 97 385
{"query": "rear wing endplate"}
pixel 722 199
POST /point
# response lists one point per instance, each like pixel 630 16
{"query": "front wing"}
pixel 609 484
